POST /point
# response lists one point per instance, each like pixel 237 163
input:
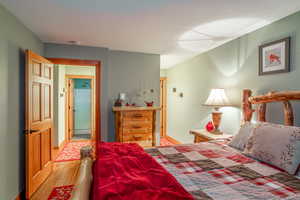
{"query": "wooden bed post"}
pixel 247 106
pixel 84 178
pixel 272 96
pixel 288 114
pixel 261 112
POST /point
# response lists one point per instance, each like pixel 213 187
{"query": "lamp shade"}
pixel 217 97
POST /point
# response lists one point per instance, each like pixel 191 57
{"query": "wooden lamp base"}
pixel 216 119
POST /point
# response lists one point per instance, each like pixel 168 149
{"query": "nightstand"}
pixel 202 135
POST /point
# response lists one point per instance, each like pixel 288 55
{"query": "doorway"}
pixel 80 107
pixel 163 104
pixel 165 139
pixel 65 144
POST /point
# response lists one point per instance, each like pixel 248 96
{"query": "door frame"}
pixel 163 106
pixel 67 103
pixel 82 63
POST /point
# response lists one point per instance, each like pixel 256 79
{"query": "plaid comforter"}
pixel 216 171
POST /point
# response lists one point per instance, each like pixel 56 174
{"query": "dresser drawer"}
pixel 137 137
pixel 137 124
pixel 137 116
pixel 144 131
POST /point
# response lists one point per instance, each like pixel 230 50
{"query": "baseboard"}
pixel 81 140
pixel 172 140
pixel 62 145
pixel 58 149
pixel 20 196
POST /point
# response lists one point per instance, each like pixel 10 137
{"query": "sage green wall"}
pixel 233 66
pixel 14 39
pixel 131 73
pixel 120 71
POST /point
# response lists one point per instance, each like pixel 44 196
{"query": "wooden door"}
pixel 71 108
pixel 39 120
pixel 163 104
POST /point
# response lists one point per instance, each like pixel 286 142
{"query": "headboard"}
pixel 285 97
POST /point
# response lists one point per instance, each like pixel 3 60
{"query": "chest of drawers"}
pixel 135 125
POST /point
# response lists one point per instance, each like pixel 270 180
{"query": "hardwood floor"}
pixel 64 173
pixel 167 140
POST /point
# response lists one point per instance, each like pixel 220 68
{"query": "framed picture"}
pixel 274 57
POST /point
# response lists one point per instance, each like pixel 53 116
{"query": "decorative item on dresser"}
pixel 217 98
pixel 136 125
pixel 202 135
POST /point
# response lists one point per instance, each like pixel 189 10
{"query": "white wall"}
pixel 59 105
pixel 163 73
pixel 78 70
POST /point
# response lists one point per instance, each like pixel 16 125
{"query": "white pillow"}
pixel 276 145
pixel 240 140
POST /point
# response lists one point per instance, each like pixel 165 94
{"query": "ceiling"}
pixel 175 29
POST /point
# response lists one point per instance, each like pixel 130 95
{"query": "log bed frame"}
pixel 285 97
pixel 84 177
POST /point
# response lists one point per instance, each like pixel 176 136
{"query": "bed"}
pixel 211 170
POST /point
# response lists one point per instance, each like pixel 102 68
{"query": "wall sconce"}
pixel 181 94
pixel 174 90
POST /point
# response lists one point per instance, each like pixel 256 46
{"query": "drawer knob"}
pixel 136 127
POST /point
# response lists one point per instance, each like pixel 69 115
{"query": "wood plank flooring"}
pixel 64 173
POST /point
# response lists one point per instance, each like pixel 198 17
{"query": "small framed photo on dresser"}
pixel 274 57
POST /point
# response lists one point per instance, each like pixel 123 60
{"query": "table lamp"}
pixel 217 98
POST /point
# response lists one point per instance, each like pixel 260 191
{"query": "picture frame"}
pixel 274 57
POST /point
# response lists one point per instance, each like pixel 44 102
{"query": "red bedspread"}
pixel 125 171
